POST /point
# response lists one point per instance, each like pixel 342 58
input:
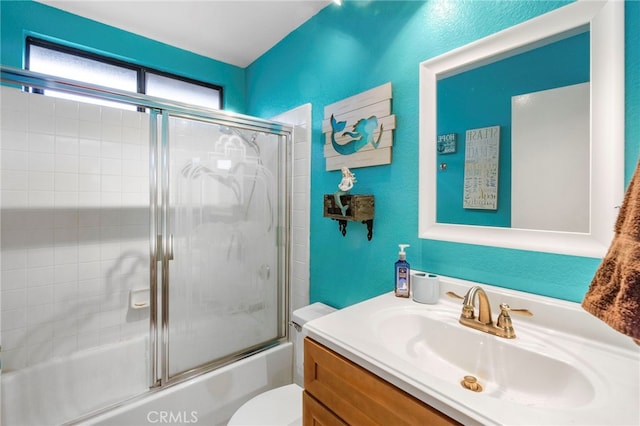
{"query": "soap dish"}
pixel 139 299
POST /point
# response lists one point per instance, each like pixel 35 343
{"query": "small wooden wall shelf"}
pixel 361 209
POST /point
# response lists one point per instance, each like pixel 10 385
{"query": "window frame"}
pixel 141 71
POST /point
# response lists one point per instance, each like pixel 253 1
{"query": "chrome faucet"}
pixel 503 326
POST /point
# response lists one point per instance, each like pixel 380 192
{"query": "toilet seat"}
pixel 278 407
pixel 283 406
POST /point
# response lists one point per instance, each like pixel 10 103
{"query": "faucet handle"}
pixel 504 321
pixel 455 296
pixel 523 312
pixel 468 311
pixel 505 309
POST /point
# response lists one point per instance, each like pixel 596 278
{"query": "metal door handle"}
pixel 159 246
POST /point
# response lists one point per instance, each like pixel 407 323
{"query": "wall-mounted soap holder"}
pixel 139 299
pixel 360 209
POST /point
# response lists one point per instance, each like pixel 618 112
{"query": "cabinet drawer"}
pixel 359 397
pixel 316 414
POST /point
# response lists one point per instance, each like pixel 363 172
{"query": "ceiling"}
pixel 233 31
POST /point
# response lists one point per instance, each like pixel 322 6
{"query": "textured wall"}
pixel 343 51
pixel 340 52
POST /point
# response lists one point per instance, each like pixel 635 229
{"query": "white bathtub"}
pixel 64 389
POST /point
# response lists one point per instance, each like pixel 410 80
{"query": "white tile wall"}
pixel 74 233
pixel 301 118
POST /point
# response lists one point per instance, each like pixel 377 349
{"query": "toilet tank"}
pixel 299 318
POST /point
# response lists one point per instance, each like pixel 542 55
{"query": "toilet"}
pixel 283 406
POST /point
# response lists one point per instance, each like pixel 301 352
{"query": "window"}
pixel 167 87
pixel 53 59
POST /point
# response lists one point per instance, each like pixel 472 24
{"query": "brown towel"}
pixel 614 293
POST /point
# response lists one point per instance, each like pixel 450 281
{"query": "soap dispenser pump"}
pixel 402 273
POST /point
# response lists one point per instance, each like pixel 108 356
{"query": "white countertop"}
pixel 560 333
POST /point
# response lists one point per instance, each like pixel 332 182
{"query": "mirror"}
pixel 539 99
pixel 605 183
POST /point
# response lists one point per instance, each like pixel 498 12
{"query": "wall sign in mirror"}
pixel 447 143
pixel 482 151
pixel 505 71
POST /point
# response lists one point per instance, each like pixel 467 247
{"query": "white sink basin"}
pixel 565 367
pixel 450 351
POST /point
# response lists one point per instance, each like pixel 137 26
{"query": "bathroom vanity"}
pixel 390 360
pixel 338 391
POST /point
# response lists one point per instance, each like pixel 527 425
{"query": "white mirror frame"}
pixel 606 23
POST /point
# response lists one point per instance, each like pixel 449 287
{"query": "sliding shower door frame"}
pixel 154 249
pixel 161 283
pixel 160 240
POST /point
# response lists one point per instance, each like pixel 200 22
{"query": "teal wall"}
pixel 19 19
pixel 340 52
pixel 345 50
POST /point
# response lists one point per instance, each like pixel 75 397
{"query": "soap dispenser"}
pixel 403 273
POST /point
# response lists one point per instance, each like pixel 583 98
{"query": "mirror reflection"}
pixel 540 99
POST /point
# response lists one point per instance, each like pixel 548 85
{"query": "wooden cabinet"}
pixel 340 392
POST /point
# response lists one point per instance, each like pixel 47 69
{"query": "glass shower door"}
pixel 226 268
